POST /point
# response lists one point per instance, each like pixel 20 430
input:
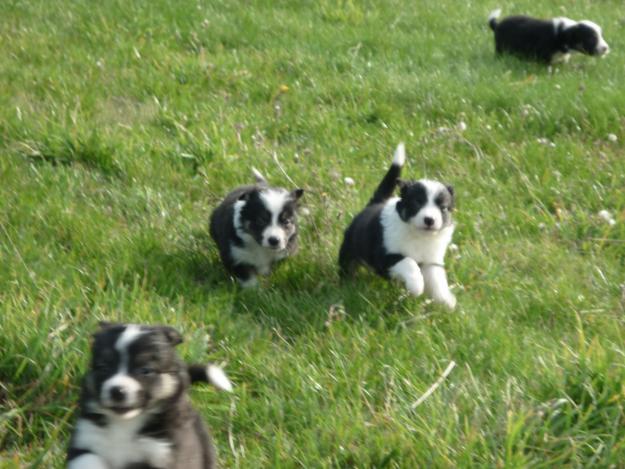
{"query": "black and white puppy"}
pixel 254 227
pixel 404 237
pixel 546 40
pixel 134 410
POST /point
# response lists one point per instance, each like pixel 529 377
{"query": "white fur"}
pixel 399 158
pixel 253 253
pixel 420 246
pixel 274 200
pixel 167 387
pixel 436 286
pixel 87 461
pixel 122 379
pixel 494 14
pixel 119 445
pixel 218 378
pixel 408 271
pixel 563 22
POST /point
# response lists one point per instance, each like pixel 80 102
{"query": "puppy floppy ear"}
pixel 172 335
pixel 452 192
pixel 296 194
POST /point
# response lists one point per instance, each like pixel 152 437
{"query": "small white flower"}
pixel 462 126
pixel 349 181
pixel 542 226
pixel 612 138
pixel 558 86
pixel 611 222
pixel 453 247
pixel 304 211
pixel 605 215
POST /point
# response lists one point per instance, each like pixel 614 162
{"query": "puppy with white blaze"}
pixel 546 40
pixel 134 409
pixel 404 237
pixel 254 227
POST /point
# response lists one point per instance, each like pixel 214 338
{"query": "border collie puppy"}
pixel 254 227
pixel 404 237
pixel 546 40
pixel 134 411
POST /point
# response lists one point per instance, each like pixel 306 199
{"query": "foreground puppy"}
pixel 404 237
pixel 254 227
pixel 134 411
pixel 546 40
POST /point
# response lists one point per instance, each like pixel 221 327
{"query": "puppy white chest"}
pixel 254 254
pixel 119 443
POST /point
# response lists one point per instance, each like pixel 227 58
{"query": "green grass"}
pixel 123 123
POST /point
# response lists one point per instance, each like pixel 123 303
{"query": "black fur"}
pixel 540 40
pixel 171 419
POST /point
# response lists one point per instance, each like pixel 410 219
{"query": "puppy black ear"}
pixel 297 193
pixel 403 185
pixel 173 336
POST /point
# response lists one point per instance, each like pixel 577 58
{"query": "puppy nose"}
pixel 429 221
pixel 273 241
pixel 118 394
pixel 603 49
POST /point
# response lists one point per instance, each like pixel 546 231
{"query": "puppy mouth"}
pixel 123 410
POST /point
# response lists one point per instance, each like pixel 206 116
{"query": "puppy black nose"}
pixel 273 241
pixel 117 394
pixel 429 221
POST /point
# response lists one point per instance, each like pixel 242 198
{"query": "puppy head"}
pixel 426 205
pixel 134 368
pixel 269 215
pixel 585 37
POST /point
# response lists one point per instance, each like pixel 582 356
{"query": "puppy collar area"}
pixel 431 264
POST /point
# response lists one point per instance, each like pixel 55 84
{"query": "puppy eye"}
pixel 146 371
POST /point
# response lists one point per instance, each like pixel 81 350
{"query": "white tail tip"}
pixel 218 378
pixel 400 155
pixel 494 14
pixel 259 177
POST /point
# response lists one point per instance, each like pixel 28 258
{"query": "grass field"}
pixel 123 123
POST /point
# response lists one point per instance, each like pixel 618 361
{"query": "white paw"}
pixel 251 282
pixel 449 300
pixel 415 285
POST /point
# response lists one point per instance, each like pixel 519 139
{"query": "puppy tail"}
pixel 260 179
pixel 492 18
pixel 211 374
pixel 387 186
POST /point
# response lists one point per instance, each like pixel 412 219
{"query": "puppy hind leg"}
pixel 347 264
pixel 436 286
pixel 408 271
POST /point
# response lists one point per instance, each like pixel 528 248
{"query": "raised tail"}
pixel 492 18
pixel 211 374
pixel 387 186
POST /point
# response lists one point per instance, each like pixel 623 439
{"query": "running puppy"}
pixel 546 40
pixel 404 237
pixel 254 227
pixel 134 410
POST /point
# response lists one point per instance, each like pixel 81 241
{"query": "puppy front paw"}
pixel 415 285
pixel 449 301
pixel 251 282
